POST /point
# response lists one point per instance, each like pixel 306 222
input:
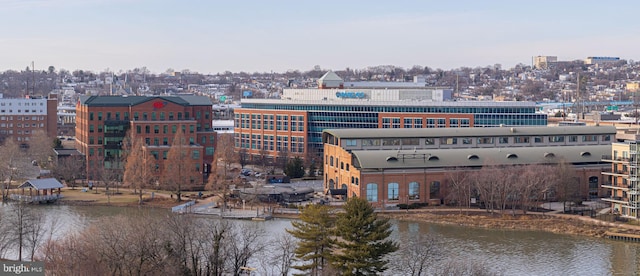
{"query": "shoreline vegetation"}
pixel 554 223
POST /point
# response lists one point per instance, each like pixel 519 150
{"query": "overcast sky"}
pixel 261 36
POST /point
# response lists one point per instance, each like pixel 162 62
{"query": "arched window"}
pixel 393 191
pixel 593 186
pixel 347 166
pixel 357 181
pixel 344 186
pixel 353 180
pixel 342 165
pixel 331 161
pixel 434 189
pixel 372 192
pixel 414 190
pixel 332 184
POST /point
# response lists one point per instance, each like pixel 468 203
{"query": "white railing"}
pixel 181 208
pixel 27 198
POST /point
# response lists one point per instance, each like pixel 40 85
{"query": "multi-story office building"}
pixel 543 62
pixel 102 122
pixel 295 122
pixel 600 60
pixel 21 118
pixel 411 165
pixel 623 183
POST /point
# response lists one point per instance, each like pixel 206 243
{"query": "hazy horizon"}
pixel 264 36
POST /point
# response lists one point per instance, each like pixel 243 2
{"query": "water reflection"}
pixel 508 252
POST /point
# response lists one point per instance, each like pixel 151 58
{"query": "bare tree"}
pixel 178 172
pixel 68 169
pixel 139 171
pixel 246 244
pixel 460 187
pixel 566 184
pixel 12 163
pixel 416 253
pixel 284 246
pixel 27 229
pixel 41 148
pixel 534 182
pixel 225 152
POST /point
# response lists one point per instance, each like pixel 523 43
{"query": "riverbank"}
pixel 554 223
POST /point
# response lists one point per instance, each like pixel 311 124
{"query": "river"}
pixel 510 252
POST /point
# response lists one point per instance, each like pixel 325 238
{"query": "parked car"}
pixel 258 174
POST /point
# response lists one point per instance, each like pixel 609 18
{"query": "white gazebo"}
pixel 46 190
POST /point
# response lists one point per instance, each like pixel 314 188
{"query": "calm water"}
pixel 507 252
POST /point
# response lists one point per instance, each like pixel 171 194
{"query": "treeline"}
pixel 522 188
pixel 353 242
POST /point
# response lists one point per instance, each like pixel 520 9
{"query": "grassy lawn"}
pixel 125 198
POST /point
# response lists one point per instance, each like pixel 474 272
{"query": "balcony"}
pixel 610 158
pixel 615 199
pixel 611 186
pixel 610 171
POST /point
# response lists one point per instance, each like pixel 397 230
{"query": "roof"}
pixel 66 152
pixel 330 76
pixel 366 102
pixel 470 157
pixel 183 100
pixel 352 133
pixel 42 184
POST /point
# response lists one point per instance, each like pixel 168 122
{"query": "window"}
pixel 371 142
pixel 350 142
pixel 589 138
pixel 393 191
pixel 208 151
pixel 521 139
pixel 91 128
pixel 165 129
pixel 434 189
pixel 573 138
pixel 410 141
pixel 503 140
pixel 466 141
pixel 429 141
pixel 156 129
pixel 538 139
pixel 556 139
pixel 448 141
pixel 196 154
pixel 372 192
pixel 606 137
pixel 485 140
pixel 414 190
pixel 390 142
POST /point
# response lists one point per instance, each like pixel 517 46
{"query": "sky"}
pixel 276 36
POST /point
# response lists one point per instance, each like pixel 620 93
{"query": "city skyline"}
pixel 263 36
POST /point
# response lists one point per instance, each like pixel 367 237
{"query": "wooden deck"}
pixel 622 236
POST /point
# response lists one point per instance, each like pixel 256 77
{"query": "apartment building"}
pixel 623 178
pixel 20 118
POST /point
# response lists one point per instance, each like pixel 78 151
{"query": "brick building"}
pixel 390 167
pixel 102 122
pixel 294 123
pixel 20 118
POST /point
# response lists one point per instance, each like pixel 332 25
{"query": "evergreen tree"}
pixel 361 243
pixel 314 234
pixel 295 168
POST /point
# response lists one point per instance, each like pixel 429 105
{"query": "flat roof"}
pixel 367 102
pixel 351 133
pixel 470 157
